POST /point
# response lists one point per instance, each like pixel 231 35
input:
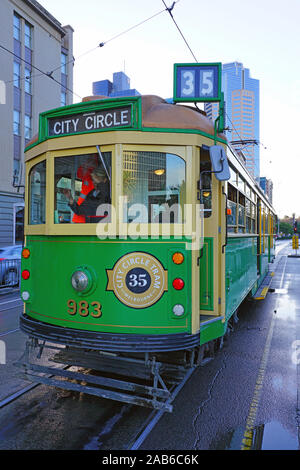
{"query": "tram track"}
pixel 143 430
pixel 156 415
pixel 6 401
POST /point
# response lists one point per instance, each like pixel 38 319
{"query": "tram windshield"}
pixel 154 186
pixel 82 185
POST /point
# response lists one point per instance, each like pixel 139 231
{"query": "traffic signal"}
pixel 295 227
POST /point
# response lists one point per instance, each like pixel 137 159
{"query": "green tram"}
pixel 136 254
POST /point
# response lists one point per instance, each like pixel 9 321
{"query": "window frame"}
pixel 156 229
pixel 29 206
pixel 79 154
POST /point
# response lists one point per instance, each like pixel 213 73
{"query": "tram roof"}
pixel 156 113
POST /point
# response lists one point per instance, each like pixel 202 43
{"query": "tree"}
pixel 286 227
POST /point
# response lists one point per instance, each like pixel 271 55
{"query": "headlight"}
pixel 80 281
pixel 25 295
pixel 178 310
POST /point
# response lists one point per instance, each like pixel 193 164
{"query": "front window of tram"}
pixel 37 194
pixel 82 184
pixel 155 187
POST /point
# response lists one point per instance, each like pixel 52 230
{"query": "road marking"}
pixel 250 423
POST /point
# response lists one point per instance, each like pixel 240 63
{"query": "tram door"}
pixel 259 238
pixel 211 256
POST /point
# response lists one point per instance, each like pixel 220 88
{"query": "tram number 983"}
pixel 84 309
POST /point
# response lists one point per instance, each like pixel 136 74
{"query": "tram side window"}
pixel 205 187
pixel 37 194
pixel 154 186
pixel 253 218
pixel 82 188
pixel 232 208
pixel 248 216
pixel 241 218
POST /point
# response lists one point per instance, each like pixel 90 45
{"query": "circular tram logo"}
pixel 138 280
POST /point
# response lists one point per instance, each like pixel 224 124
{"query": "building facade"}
pixel 36 74
pixel 120 86
pixel 267 187
pixel 241 95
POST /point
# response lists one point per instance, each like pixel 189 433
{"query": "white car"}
pixel 10 261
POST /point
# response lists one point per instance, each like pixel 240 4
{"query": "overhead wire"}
pixel 169 10
pixel 101 44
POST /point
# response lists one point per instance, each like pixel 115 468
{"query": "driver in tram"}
pixel 100 194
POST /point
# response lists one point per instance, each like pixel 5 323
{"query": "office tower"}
pixel 119 87
pixel 241 95
pixel 267 186
pixel 32 41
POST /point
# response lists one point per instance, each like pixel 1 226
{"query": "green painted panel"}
pixel 54 259
pixel 212 331
pixel 206 275
pixel 240 270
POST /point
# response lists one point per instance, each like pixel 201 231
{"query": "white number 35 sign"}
pixel 197 82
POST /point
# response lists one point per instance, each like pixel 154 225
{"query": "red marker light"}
pixel 25 274
pixel 178 283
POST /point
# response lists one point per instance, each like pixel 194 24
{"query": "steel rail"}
pixel 17 394
pixel 155 416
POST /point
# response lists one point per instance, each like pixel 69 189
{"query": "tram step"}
pixel 206 319
pixel 263 289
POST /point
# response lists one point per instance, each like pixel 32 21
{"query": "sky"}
pixel 264 35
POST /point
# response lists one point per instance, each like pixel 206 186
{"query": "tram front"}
pixel 112 228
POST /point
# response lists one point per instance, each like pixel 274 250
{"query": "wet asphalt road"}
pixel 245 398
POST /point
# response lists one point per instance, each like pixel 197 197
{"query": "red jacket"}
pixel 86 187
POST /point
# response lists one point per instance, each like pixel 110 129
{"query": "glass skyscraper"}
pixel 119 87
pixel 241 94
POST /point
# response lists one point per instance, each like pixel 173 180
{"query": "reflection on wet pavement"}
pixel 268 436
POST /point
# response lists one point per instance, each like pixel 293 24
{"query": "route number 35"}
pixel 198 82
pixel 188 83
pixel 84 309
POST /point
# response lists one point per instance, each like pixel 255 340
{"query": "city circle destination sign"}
pixel 90 122
pixel 197 82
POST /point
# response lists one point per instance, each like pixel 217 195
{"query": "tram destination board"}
pixel 90 122
pixel 197 82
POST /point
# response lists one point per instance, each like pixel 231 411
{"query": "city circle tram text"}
pixel 78 123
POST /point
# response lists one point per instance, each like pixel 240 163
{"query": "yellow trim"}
pixel 117 225
pixel 259 231
pixel 211 229
pixel 117 137
pixel 193 161
pixel 146 229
